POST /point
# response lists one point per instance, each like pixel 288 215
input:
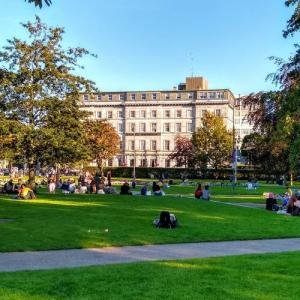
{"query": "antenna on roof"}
pixel 191 57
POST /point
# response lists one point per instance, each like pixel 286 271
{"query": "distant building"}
pixel 149 121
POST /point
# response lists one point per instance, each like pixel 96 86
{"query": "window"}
pixel 153 146
pixel 203 112
pixel 86 97
pixel 246 131
pixel 189 113
pixel 121 148
pixel 218 112
pixel 167 145
pixel 189 127
pixel 132 96
pixel 120 127
pixel 237 121
pixel 220 95
pixel 154 113
pixel 143 96
pixel 110 162
pixel 154 96
pixel 203 95
pixel 132 114
pixel 143 162
pixel 132 145
pixel 120 114
pixel 167 114
pixel 99 114
pixel 143 114
pixel 122 97
pixel 99 97
pixel 190 96
pixel 109 115
pixel 178 96
pixel 167 127
pixel 212 95
pixel 167 163
pixel 153 163
pixel 178 113
pixel 143 145
pixel 132 127
pixel 143 127
pixel 131 162
pixel 153 127
pixel 167 96
pixel 178 127
pixel 109 97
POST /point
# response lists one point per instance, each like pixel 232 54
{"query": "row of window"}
pixel 142 145
pixel 154 96
pixel 143 114
pixel 153 127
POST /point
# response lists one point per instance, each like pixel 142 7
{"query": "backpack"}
pixel 167 220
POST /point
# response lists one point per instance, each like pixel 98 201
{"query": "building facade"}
pixel 149 121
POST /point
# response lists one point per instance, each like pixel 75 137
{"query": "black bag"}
pixel 167 220
pixel 269 203
pixel 296 211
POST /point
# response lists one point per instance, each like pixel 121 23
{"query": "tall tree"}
pixel 37 82
pixel 276 115
pixel 102 140
pixel 212 143
pixel 40 2
pixel 183 152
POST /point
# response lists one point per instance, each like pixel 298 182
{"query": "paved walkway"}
pixel 39 260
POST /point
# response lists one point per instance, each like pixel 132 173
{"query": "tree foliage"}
pixel 276 114
pixel 103 141
pixel 39 92
pixel 40 2
pixel 293 24
pixel 183 152
pixel 212 143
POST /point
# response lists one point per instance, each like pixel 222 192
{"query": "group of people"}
pixel 146 190
pixel 203 194
pixel 288 203
pixel 20 189
pixel 87 184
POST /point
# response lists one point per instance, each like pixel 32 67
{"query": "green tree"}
pixel 212 143
pixel 102 140
pixel 276 115
pixel 40 2
pixel 39 91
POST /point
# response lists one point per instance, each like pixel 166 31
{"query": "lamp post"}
pixel 134 155
pixel 234 150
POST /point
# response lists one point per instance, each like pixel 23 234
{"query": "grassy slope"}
pixel 269 276
pixel 76 221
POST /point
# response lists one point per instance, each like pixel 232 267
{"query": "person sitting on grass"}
pixel 9 187
pixel 144 190
pixel 25 193
pixel 125 189
pixel 206 193
pixel 157 191
pixel 199 191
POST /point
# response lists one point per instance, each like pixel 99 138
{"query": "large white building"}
pixel 148 121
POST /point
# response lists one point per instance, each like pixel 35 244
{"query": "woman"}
pixel 199 191
pixel 51 184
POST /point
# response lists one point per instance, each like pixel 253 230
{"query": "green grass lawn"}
pixel 80 221
pixel 268 276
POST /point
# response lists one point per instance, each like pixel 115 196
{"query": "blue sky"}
pixel 155 44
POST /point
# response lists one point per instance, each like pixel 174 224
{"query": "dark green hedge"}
pixel 178 173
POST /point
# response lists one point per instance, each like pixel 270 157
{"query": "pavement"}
pixel 58 259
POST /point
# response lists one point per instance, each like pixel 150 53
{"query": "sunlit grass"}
pixel 81 221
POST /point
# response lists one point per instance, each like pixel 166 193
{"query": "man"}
pixel 25 193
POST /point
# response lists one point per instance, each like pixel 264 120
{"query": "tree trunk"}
pixel 57 174
pixel 31 175
pixel 100 166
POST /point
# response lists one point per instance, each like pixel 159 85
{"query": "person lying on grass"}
pixel 25 193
